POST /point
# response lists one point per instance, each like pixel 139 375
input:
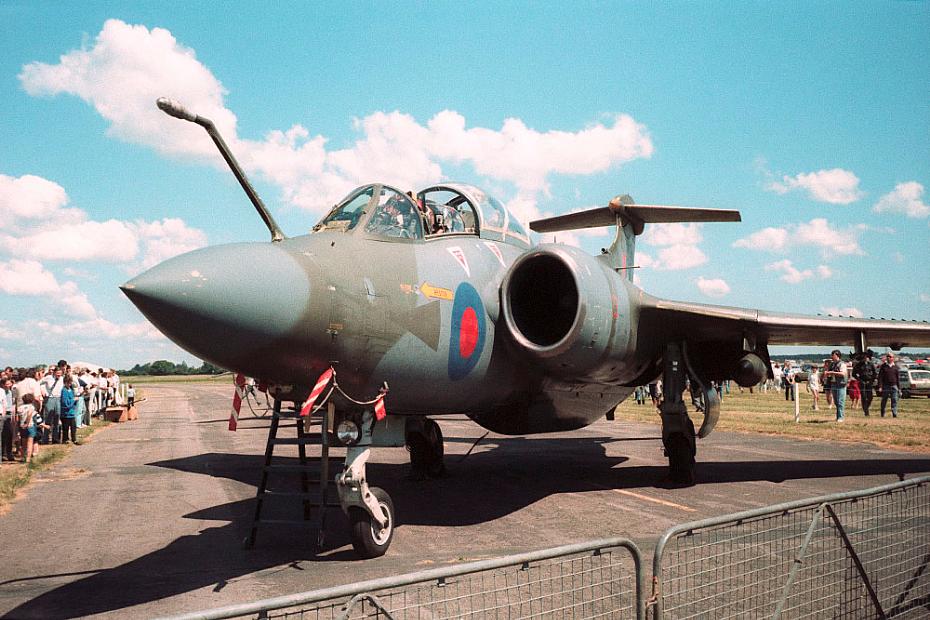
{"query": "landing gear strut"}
pixel 678 435
pixel 424 441
pixel 370 509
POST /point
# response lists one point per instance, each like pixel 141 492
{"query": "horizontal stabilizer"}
pixel 636 214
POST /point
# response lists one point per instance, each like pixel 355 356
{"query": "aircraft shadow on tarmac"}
pixel 505 469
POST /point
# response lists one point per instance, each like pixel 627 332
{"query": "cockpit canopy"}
pixel 435 212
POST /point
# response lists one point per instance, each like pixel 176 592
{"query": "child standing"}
pixel 30 422
pixel 68 411
pixel 130 395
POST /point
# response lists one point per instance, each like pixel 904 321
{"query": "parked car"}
pixel 914 382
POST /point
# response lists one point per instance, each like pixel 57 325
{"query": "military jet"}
pixel 441 296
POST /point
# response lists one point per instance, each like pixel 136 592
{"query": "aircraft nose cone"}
pixel 230 304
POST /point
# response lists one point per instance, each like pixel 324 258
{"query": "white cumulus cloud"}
pixel 789 273
pixel 793 275
pixel 29 278
pixel 672 234
pixel 678 257
pixel 835 311
pixel 907 199
pixel 817 233
pixel 124 72
pixel 678 243
pixel 29 197
pixel 166 238
pixel 772 239
pixel 128 66
pixel 835 186
pixel 713 287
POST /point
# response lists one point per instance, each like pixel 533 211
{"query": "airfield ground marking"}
pixel 647 498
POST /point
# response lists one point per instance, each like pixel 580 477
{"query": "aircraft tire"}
pixel 368 540
pixel 680 459
pixel 427 451
pixel 681 450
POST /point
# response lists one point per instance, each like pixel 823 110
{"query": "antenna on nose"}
pixel 175 109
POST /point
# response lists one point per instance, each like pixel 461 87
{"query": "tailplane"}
pixel 630 220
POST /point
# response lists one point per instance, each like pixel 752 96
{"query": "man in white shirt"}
pixel 53 384
pixel 114 383
pixel 102 386
pixel 90 389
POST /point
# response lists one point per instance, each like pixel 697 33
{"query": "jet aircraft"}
pixel 441 296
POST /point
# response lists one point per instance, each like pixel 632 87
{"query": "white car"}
pixel 914 382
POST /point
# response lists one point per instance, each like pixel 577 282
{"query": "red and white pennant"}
pixel 237 401
pixel 318 388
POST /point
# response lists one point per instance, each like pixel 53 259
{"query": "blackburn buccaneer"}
pixel 441 296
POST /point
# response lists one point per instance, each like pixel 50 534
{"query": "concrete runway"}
pixel 148 518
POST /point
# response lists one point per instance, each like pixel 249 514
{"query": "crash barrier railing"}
pixel 595 579
pixel 862 554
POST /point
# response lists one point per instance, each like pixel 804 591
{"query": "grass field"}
pixel 770 414
pixel 14 476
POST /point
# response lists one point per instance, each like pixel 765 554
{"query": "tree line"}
pixel 162 368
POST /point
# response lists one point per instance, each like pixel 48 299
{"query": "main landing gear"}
pixel 424 442
pixel 678 436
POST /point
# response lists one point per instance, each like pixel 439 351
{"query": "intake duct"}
pixel 566 310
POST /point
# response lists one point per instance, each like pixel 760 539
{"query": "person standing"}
pixel 6 419
pixel 101 390
pixel 68 408
pixel 865 372
pixel 889 384
pixel 813 386
pixel 827 381
pixel 53 382
pixel 131 396
pixel 837 374
pixel 787 378
pixel 90 387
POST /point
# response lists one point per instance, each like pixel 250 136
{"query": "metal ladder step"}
pixel 296 441
pixel 314 502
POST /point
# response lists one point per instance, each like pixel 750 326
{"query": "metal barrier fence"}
pixel 596 579
pixel 862 554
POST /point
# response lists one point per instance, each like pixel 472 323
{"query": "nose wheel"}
pixel 370 539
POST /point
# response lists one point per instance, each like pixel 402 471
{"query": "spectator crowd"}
pixel 857 381
pixel 47 404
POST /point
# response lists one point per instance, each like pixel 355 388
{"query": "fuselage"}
pixel 424 315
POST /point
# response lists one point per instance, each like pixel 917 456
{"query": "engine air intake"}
pixel 542 299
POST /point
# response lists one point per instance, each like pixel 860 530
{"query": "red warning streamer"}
pixel 321 384
pixel 237 401
pixel 380 411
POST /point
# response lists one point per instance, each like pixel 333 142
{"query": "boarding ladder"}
pixel 314 472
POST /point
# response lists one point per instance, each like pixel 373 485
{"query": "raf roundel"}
pixel 467 334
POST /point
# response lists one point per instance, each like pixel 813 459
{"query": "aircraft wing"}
pixel 704 322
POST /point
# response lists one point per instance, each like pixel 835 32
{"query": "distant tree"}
pixel 162 368
pixel 210 369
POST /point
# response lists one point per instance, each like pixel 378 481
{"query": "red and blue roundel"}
pixel 468 326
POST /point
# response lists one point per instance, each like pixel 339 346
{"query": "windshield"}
pixel 395 216
pixel 345 215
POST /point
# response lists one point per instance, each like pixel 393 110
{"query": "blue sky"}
pixel 813 119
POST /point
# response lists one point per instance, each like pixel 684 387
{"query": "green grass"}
pixel 770 414
pixel 14 477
